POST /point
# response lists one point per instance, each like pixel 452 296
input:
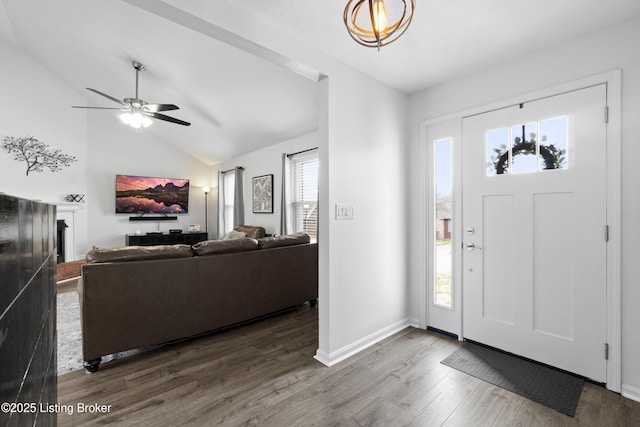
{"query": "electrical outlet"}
pixel 344 211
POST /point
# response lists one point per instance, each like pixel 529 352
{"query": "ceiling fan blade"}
pixel 154 108
pixel 100 108
pixel 107 96
pixel 167 118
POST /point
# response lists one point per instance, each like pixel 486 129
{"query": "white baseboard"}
pixel 414 323
pixel 322 357
pixel 330 359
pixel 630 392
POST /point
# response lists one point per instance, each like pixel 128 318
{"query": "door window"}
pixel 518 149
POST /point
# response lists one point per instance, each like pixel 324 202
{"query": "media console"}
pixel 151 239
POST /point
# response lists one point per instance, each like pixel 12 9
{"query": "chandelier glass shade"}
pixel 377 23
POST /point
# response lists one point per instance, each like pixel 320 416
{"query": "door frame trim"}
pixel 613 80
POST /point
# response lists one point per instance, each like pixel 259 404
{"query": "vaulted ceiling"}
pixel 237 101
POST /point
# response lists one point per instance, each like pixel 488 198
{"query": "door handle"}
pixel 471 247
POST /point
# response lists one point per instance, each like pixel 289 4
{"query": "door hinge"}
pixel 606 114
pixel 606 233
pixel 606 351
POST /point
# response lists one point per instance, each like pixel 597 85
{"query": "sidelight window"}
pixel 443 223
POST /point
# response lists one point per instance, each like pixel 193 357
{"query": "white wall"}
pixel 117 149
pixel 263 162
pixel 606 50
pixel 36 103
pixel 367 168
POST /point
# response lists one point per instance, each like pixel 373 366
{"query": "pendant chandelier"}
pixel 374 24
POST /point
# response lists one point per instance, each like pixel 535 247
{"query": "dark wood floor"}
pixel 264 374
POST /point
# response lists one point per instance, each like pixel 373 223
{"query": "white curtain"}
pixel 221 195
pixel 285 220
pixel 238 198
pixel 230 200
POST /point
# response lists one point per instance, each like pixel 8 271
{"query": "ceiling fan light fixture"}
pixel 138 112
pixel 374 23
pixel 136 120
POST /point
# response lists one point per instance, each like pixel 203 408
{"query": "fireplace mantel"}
pixel 67 207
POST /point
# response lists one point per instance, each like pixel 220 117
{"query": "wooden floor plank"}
pixel 264 373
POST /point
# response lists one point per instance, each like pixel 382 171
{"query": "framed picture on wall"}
pixel 262 190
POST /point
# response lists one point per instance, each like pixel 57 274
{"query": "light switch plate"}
pixel 344 211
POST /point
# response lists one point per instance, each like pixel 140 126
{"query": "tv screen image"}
pixel 143 195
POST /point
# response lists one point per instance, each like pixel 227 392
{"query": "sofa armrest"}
pixel 127 305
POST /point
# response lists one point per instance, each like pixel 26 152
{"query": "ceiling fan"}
pixel 138 112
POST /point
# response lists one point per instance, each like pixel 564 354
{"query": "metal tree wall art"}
pixel 36 154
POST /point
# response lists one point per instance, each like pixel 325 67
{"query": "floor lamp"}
pixel 206 215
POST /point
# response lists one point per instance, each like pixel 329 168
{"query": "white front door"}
pixel 534 222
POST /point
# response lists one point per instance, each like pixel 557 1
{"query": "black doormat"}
pixel 550 387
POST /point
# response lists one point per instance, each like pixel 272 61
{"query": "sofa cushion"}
pixel 138 253
pixel 252 231
pixel 214 247
pixel 284 240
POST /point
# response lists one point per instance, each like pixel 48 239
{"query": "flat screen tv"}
pixel 148 195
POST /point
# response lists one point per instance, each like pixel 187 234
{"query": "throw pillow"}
pixel 255 232
pixel 233 235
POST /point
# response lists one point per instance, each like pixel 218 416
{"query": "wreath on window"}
pixel 553 157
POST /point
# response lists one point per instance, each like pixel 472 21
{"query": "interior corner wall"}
pixel 36 103
pixel 266 161
pixel 117 149
pixel 602 51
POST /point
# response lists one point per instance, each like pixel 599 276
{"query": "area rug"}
pixel 69 334
pixel 550 387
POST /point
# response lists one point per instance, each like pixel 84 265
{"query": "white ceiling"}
pixel 447 38
pixel 238 102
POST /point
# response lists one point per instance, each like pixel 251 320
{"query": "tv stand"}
pixel 152 239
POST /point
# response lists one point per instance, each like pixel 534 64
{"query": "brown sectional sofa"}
pixel 138 296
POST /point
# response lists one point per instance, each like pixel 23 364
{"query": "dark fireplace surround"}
pixel 61 232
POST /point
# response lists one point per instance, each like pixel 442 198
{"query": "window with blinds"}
pixel 304 193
